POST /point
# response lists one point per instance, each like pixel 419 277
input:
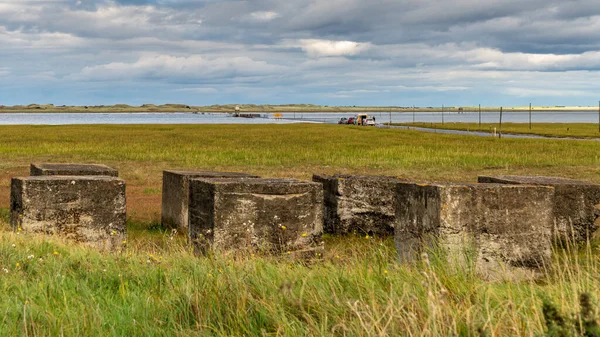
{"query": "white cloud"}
pixel 263 16
pixel 198 90
pixel 532 92
pixel 317 48
pixel 38 40
pixel 175 68
pixel 487 58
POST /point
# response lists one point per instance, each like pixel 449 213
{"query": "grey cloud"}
pixel 353 48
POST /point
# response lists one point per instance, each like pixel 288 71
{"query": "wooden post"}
pixel 390 119
pixel 479 114
pixel 598 116
pixel 529 116
pixel 413 114
pixel 500 128
pixel 442 114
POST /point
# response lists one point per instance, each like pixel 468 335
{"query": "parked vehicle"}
pixel 343 120
pixel 361 119
pixel 351 120
pixel 370 122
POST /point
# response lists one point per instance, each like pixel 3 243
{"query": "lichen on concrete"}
pixel 84 209
pixel 272 216
pixel 176 193
pixel 358 204
pixel 47 169
pixel 575 212
pixel 504 229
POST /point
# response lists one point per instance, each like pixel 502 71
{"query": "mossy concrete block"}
pixel 176 193
pixel 576 204
pixel 505 229
pixel 263 215
pixel 361 204
pixel 72 170
pixel 86 209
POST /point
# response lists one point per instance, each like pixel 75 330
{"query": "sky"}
pixel 327 52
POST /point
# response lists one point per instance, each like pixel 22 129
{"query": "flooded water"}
pixel 318 117
pixel 130 118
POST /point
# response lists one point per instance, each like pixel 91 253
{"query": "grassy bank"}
pixel 576 130
pixel 157 288
pixel 358 289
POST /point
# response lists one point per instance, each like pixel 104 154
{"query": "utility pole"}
pixel 529 116
pixel 500 131
pixel 413 114
pixel 390 125
pixel 480 115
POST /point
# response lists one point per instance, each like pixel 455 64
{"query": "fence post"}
pixel 500 129
pixel 479 115
pixel 529 116
pixel 442 114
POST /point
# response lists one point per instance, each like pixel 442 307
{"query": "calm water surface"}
pixel 222 118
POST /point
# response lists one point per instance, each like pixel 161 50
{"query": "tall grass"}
pixel 358 289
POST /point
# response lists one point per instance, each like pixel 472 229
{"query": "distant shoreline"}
pixel 122 108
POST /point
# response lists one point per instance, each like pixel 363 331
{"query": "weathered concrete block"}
pixel 176 193
pixel 72 170
pixel 266 215
pixel 86 209
pixel 506 229
pixel 363 204
pixel 576 204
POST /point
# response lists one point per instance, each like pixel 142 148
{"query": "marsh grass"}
pixel 141 152
pixel 283 149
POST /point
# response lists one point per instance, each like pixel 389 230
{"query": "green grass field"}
pixel 158 288
pixel 575 130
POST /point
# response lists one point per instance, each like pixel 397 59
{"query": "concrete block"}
pixel 72 170
pixel 176 194
pixel 575 204
pixel 264 215
pixel 505 229
pixel 85 209
pixel 362 204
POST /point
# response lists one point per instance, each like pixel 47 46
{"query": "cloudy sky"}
pixel 333 52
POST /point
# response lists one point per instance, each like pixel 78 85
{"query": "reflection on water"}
pixel 223 118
